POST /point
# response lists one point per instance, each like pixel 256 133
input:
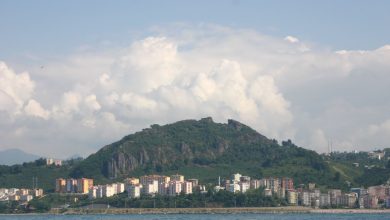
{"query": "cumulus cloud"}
pixel 15 89
pixel 34 108
pixel 279 86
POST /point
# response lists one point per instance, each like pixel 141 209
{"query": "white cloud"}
pixel 92 103
pixel 281 87
pixel 291 39
pixel 15 89
pixel 34 108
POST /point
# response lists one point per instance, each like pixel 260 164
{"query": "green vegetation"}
pixel 21 176
pixel 205 150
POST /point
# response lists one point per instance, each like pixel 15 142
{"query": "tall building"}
pixel 244 186
pixel 187 187
pixel 83 185
pixel 60 185
pixel 71 185
pixel 287 183
pixel 163 188
pixel 292 197
pixel 175 187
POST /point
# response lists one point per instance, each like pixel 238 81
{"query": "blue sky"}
pixel 60 26
pixel 90 72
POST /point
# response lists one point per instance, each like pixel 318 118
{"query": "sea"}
pixel 203 216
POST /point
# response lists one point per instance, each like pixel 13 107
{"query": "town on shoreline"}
pixel 175 194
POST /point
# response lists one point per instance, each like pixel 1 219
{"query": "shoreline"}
pixel 241 210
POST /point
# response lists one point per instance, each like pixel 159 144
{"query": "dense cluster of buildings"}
pixel 271 185
pixel 162 185
pixel 282 187
pixel 135 187
pixel 81 185
pixel 22 195
pixel 310 195
pixel 356 198
pixel 107 190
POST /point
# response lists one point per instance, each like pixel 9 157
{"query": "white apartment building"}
pixel 187 187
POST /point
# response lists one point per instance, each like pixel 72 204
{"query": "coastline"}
pixel 246 210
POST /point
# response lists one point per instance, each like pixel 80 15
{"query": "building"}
pixel 287 183
pixel 195 182
pixel 109 190
pixel 324 200
pixel 60 185
pixel 71 185
pixel 164 179
pixel 245 179
pixel 37 192
pixel 234 187
pixel 351 200
pixel 120 188
pixel 334 194
pixel 163 188
pixel 292 197
pixel 304 198
pixel 235 177
pixel 379 191
pixel 92 192
pixel 175 187
pixel 177 177
pixel 134 191
pixel 83 185
pixel 51 161
pixel 131 181
pixel 255 184
pixel 187 187
pixel 151 187
pixel 244 186
pixel 370 202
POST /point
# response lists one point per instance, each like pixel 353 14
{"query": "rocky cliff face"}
pixel 184 143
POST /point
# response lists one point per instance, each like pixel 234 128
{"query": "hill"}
pixel 15 156
pixel 204 149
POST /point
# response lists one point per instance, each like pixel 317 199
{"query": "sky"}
pixel 78 75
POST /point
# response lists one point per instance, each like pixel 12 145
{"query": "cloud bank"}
pixel 282 87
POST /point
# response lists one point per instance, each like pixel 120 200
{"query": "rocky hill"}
pixel 204 149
